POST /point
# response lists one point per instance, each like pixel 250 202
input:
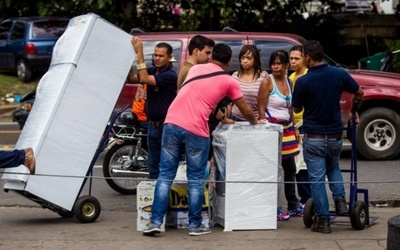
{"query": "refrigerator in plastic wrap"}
pixel 74 101
pixel 247 159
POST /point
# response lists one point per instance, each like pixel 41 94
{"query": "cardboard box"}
pixel 178 197
pixel 179 217
pixel 178 207
pixel 145 198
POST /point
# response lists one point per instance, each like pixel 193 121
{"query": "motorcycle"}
pixel 125 161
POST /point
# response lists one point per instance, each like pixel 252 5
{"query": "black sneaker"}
pixel 152 229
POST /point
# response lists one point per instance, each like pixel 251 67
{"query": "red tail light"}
pixel 30 49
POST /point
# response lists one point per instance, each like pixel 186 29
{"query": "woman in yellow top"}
pixel 298 64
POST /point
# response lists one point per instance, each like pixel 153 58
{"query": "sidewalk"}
pixel 36 228
pixel 8 138
pixel 4 108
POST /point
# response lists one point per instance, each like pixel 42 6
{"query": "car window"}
pixel 48 29
pixel 18 32
pixel 148 50
pixel 5 29
pixel 235 45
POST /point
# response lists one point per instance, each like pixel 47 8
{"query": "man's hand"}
pixel 227 121
pixel 137 44
pixel 351 119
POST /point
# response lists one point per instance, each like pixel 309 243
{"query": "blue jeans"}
pixel 11 159
pixel 154 135
pixel 322 158
pixel 174 140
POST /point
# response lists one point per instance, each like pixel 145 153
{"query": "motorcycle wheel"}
pixel 117 158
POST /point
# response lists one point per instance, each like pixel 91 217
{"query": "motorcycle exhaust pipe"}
pixel 128 173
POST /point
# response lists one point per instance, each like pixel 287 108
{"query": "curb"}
pixel 4 108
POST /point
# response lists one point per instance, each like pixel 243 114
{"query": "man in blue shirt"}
pixel 318 92
pixel 161 91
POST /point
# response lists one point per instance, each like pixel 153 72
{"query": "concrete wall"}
pixel 359 26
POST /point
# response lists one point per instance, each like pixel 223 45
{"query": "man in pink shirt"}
pixel 186 128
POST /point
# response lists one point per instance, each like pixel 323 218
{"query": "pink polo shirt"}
pixel 195 101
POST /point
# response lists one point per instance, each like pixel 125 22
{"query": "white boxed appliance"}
pixel 247 158
pixel 144 202
pixel 74 101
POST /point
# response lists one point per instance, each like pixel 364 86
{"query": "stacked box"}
pixel 178 209
pixel 179 217
pixel 145 198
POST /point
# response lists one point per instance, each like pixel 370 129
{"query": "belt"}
pixel 334 136
pixel 284 123
pixel 157 123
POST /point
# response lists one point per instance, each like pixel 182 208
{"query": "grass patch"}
pixel 10 84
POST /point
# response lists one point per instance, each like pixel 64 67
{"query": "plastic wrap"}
pixel 74 101
pixel 247 159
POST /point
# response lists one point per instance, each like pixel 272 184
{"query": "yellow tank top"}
pixel 297 116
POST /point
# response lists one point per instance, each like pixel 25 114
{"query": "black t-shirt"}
pixel 159 97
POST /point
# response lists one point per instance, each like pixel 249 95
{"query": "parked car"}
pixel 26 43
pixel 378 133
pixel 357 6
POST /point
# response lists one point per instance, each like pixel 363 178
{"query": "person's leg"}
pixel 11 159
pixel 289 173
pixel 335 177
pixel 303 188
pixel 197 149
pixel 314 156
pixel 154 150
pixel 333 172
pixel 170 156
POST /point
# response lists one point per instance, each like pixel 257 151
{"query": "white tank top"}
pixel 279 104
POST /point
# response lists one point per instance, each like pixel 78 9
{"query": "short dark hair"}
pixel 298 48
pixel 281 54
pixel 222 53
pixel 314 50
pixel 165 45
pixel 199 42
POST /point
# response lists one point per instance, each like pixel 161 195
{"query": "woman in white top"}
pixel 275 95
pixel 249 78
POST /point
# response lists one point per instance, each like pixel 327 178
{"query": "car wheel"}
pixel 378 134
pixel 23 72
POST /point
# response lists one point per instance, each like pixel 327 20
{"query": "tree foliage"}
pixel 155 15
pixel 196 15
